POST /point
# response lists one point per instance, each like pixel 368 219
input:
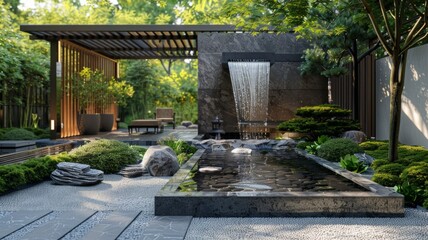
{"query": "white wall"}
pixel 414 116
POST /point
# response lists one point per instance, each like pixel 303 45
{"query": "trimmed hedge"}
pixel 391 168
pixel 328 119
pixel 386 179
pixel 18 134
pixel 336 148
pixel 106 155
pixel 35 170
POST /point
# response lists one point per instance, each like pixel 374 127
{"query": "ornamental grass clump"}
pixel 336 148
pixel 106 155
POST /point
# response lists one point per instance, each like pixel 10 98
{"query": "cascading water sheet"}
pixel 250 82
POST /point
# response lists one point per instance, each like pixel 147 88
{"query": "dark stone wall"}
pixel 288 90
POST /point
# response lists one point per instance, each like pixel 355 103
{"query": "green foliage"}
pixel 106 155
pixel 141 150
pixel 373 145
pixel 416 175
pixel 412 194
pixel 18 134
pixel 320 120
pixel 324 111
pixel 183 150
pixel 386 179
pixel 378 163
pixel 13 176
pixel 334 149
pixel 39 132
pixel 313 148
pixel 353 164
pixel 391 168
pixel 302 145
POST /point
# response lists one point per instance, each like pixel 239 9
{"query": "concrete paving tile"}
pixel 61 225
pixel 19 219
pixel 112 226
pixel 167 227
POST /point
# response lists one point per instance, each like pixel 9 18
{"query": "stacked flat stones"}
pixel 68 173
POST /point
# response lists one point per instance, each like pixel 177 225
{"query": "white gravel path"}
pixel 118 193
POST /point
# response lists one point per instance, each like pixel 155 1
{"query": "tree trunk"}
pixel 356 79
pixel 396 82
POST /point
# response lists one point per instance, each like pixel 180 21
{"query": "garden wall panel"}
pixel 74 58
pixel 288 90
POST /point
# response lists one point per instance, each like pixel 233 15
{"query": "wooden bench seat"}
pixel 145 123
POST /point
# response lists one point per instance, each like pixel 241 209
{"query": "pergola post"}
pixel 53 115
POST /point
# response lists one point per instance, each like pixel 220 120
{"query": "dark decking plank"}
pixel 19 219
pixel 167 227
pixel 60 225
pixel 112 226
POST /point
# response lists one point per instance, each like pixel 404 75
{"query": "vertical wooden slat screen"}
pixel 342 93
pixel 74 58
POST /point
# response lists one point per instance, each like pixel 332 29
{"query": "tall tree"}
pixel 403 24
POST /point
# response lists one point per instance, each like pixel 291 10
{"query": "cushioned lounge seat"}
pixel 156 124
pixel 166 115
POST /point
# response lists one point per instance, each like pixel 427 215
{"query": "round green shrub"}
pixel 302 145
pixel 379 162
pixel 18 134
pixel 333 149
pixel 416 174
pixel 39 132
pixel 323 111
pixel 391 168
pixel 40 167
pixel 3 186
pixel 13 176
pixel 141 150
pixel 386 179
pixel 106 155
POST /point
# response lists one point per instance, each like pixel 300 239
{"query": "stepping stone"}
pixel 167 227
pixel 133 170
pixel 59 226
pixel 19 219
pixel 112 226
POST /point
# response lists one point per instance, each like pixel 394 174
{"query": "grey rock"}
pixel 219 147
pixel 367 159
pixel 160 161
pixel 133 170
pixel 193 126
pixel 287 142
pixel 356 136
pixel 68 173
pixel 186 123
pixel 241 150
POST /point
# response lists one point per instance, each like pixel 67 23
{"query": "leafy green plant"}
pixel 412 194
pixel 141 150
pixel 35 120
pixel 353 164
pixel 18 134
pixel 334 149
pixel 106 155
pixel 179 146
pixel 386 179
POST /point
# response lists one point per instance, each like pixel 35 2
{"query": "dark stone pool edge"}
pixel 378 202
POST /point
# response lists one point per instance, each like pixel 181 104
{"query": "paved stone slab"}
pixel 167 227
pixel 19 219
pixel 61 225
pixel 112 226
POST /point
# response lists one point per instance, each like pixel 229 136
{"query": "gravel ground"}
pixel 118 193
pixel 114 193
pixel 413 226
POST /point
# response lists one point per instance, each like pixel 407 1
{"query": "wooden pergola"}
pixel 73 47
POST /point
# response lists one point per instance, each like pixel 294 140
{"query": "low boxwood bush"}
pixel 39 132
pixel 141 150
pixel 386 179
pixel 106 155
pixel 416 174
pixel 379 162
pixel 327 119
pixel 391 168
pixel 13 176
pixel 333 149
pixel 18 134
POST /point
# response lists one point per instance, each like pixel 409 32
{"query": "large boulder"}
pixel 160 161
pixel 356 136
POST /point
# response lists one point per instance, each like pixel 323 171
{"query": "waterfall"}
pixel 250 82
